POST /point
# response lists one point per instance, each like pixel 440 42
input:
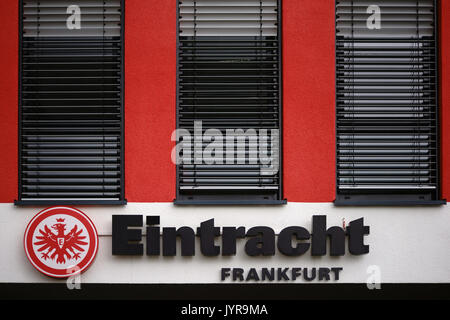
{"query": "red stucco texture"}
pixel 150 77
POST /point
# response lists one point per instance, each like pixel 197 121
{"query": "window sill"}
pixel 360 203
pixel 68 202
pixel 230 202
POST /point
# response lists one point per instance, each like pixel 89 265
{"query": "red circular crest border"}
pixel 79 267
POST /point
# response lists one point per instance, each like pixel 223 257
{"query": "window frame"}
pixel 363 198
pixel 122 200
pixel 222 199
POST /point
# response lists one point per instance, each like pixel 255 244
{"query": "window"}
pixel 71 102
pixel 229 102
pixel 387 102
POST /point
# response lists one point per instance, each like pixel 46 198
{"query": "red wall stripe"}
pixel 150 62
pixel 309 116
pixel 9 99
pixel 150 75
pixel 445 96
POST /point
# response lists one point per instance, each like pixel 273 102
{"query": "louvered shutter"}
pixel 387 106
pixel 70 108
pixel 229 77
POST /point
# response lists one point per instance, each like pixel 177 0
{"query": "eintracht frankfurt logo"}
pixel 61 242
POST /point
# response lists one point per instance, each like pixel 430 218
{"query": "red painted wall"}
pixel 445 96
pixel 150 79
pixel 308 81
pixel 150 64
pixel 9 99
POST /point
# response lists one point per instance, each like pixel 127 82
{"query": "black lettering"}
pixel 319 238
pixel 121 235
pixel 285 241
pixel 336 272
pixel 296 272
pixel 225 273
pixel 238 273
pixel 356 232
pixel 187 236
pixel 282 274
pixel 207 233
pixel 229 236
pixel 262 243
pixel 153 243
pixel 252 275
pixel 269 275
pixel 313 274
pixel 324 274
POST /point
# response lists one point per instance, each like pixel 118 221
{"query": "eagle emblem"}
pixel 59 245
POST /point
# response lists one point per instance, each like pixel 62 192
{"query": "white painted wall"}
pixel 409 244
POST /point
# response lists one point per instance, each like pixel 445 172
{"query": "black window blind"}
pixel 386 102
pixel 229 77
pixel 71 102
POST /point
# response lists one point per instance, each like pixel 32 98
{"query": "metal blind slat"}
pixel 71 146
pixel 386 101
pixel 229 78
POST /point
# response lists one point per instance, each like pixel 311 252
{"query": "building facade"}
pixel 355 95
